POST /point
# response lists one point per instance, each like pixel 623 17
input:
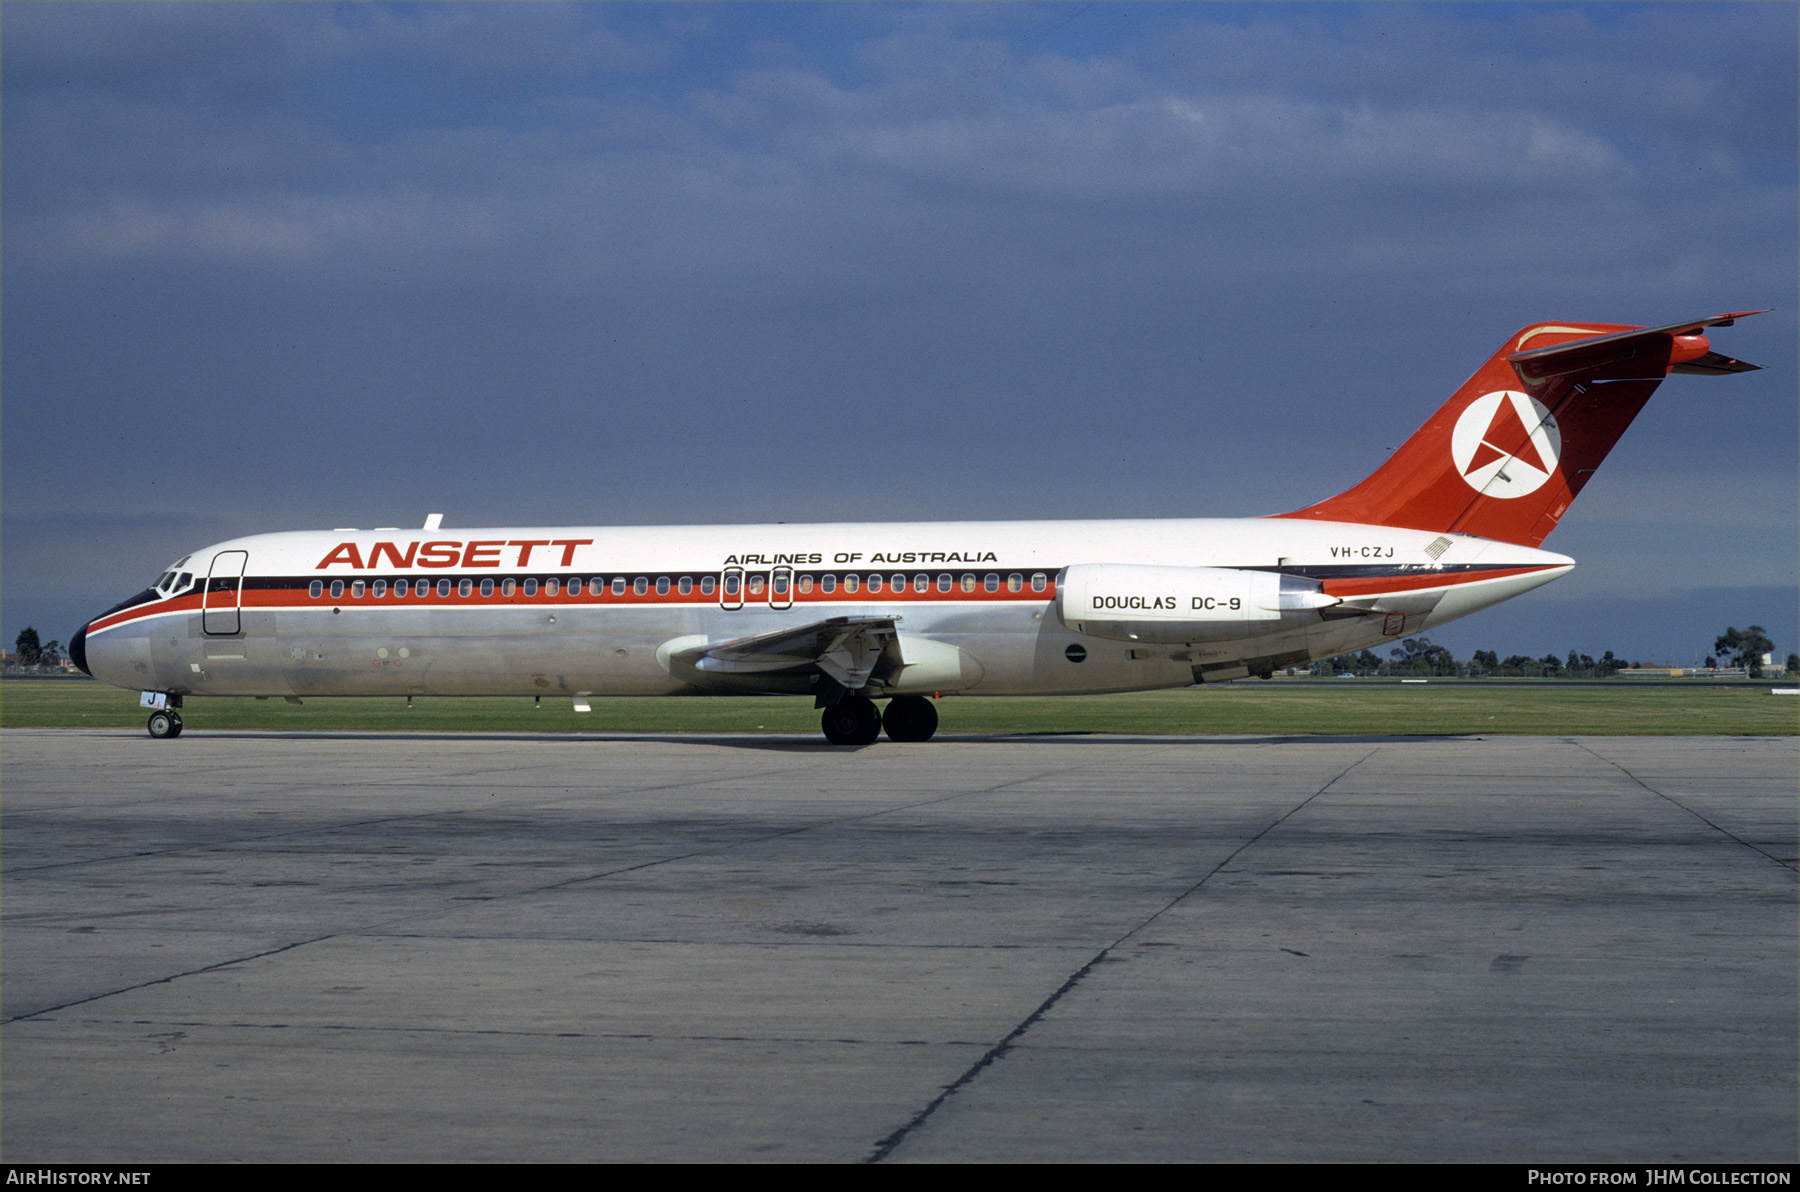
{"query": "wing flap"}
pixel 848 650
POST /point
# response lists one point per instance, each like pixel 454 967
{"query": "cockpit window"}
pixel 174 579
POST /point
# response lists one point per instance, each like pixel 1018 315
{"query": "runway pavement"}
pixel 237 946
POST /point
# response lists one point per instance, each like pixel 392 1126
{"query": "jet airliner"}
pixel 904 613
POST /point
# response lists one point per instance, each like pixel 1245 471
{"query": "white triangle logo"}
pixel 1505 444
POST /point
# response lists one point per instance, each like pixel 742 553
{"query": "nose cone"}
pixel 78 651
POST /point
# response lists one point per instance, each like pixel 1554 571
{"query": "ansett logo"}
pixel 1505 444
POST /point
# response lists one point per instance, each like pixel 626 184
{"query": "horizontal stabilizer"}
pixel 1714 364
pixel 1596 352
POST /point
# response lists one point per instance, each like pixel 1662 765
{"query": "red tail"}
pixel 1507 454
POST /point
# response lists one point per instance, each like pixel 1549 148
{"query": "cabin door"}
pixel 224 591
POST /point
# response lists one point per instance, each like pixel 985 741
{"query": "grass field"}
pixel 1329 708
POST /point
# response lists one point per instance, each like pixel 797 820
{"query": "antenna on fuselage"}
pixel 433 521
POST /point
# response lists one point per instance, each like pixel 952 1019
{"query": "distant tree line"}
pixel 1418 657
pixel 29 651
pixel 1745 649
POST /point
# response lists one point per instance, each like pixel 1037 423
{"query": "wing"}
pixel 848 651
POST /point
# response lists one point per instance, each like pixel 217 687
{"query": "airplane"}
pixel 909 612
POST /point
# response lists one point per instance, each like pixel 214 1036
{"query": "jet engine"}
pixel 1143 603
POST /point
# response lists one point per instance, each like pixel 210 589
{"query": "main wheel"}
pixel 853 720
pixel 910 718
pixel 164 724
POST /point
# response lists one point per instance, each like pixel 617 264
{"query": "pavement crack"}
pixel 1722 830
pixel 172 977
pixel 994 1054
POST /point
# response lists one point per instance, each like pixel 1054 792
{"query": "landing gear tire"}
pixel 910 718
pixel 165 724
pixel 853 720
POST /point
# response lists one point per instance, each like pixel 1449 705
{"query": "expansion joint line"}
pixel 1723 831
pixel 194 972
pixel 887 1145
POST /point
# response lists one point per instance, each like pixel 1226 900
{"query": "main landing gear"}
pixel 909 718
pixel 854 720
pixel 165 723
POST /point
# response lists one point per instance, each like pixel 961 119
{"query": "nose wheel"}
pixel 165 723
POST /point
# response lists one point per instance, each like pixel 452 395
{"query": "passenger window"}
pixel 443 587
pixel 991 583
pixel 731 585
pixel 316 589
pixel 921 583
pixel 401 588
pixel 756 585
pixel 968 582
pixel 531 586
pixel 596 587
pixel 1037 581
pixel 899 582
pixel 944 582
pixel 662 585
pixel 337 588
pixel 706 585
pixel 506 587
pixel 464 587
pixel 828 583
pixel 573 587
pixel 487 587
pixel 356 590
pixel 686 586
pixel 806 584
pixel 874 584
pixel 640 585
pixel 618 585
pixel 1015 582
pixel 378 589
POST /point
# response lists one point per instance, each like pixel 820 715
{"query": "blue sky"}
pixel 281 266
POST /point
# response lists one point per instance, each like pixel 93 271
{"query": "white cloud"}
pixel 283 227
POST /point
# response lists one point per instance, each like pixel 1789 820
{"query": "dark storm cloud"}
pixel 288 265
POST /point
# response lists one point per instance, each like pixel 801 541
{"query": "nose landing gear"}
pixel 165 723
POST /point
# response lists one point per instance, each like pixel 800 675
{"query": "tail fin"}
pixel 1507 454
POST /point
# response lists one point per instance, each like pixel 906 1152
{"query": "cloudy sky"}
pixel 272 266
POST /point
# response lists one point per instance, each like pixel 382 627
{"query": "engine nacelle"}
pixel 1142 603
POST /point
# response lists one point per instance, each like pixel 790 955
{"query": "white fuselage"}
pixel 601 610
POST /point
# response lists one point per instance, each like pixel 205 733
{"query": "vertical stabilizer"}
pixel 1505 456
